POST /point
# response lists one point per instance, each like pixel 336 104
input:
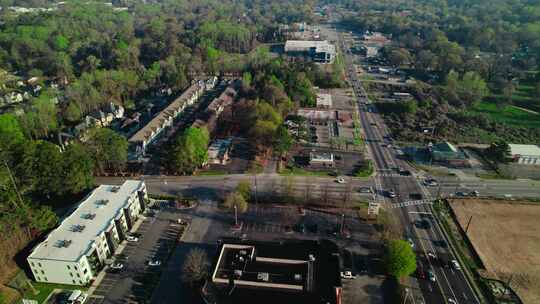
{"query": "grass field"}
pixel 506 236
pixel 509 115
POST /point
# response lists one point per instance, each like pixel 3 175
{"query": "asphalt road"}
pixel 449 283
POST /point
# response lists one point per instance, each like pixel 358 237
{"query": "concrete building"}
pixel 324 100
pixel 218 151
pixel 147 134
pixel 292 271
pixel 318 51
pixel 372 51
pixel 321 159
pixel 76 250
pixel 525 154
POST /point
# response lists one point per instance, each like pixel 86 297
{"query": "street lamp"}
pixel 235 216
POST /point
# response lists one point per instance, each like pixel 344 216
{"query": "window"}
pixel 32 263
pixel 68 267
pixel 73 282
pixel 78 275
pixel 45 279
pixel 71 274
pixel 85 271
pixel 38 279
pixel 39 264
pixel 75 267
pixel 42 272
pixel 80 282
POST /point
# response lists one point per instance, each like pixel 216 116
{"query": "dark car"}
pixel 415 196
pixel 423 224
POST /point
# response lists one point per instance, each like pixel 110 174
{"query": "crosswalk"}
pixel 391 175
pixel 411 203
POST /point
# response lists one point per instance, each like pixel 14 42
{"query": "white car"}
pixel 117 266
pixel 455 264
pixel 431 276
pixel 410 242
pixel 131 238
pixel 154 263
pixel 431 255
pixel 340 180
pixel 430 182
pixel 451 301
pixel 391 193
pixel 347 275
pixel 77 297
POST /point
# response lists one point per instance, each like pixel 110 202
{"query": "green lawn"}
pixel 44 289
pixel 302 172
pixel 508 115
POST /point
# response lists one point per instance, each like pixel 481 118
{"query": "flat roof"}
pixel 301 270
pixel 324 99
pixel 157 122
pixel 305 45
pixel 525 150
pixel 103 204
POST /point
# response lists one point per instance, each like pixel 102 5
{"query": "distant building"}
pixel 318 51
pixel 321 159
pixel 324 100
pixel 218 151
pixel 401 95
pixel 75 252
pixel 372 51
pixel 317 115
pixel 525 154
pixel 292 271
pixel 447 153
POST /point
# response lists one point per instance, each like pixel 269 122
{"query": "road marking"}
pixel 465 296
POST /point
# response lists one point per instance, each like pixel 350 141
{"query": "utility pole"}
pixel 235 216
pixel 342 222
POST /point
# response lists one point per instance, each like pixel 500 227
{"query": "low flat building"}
pixel 147 134
pixel 318 51
pixel 372 51
pixel 525 154
pixel 292 271
pixel 218 151
pixel 447 153
pixel 324 100
pixel 76 250
pixel 316 115
pixel 321 159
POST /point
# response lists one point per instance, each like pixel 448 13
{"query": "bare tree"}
pixel 195 268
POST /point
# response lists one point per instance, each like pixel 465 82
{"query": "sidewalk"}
pixel 119 250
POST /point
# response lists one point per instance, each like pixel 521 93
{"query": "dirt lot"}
pixel 506 236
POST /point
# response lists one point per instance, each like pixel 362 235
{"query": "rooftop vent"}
pixel 77 228
pixel 88 216
pixel 115 189
pixel 63 243
pixel 102 202
pixel 297 277
pixel 263 276
pixel 312 257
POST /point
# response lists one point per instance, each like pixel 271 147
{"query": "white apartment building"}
pixel 76 250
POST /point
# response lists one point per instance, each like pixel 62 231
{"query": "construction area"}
pixel 506 237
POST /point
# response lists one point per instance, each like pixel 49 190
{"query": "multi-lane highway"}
pixel 448 284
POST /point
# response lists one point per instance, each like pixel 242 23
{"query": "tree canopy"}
pixel 399 258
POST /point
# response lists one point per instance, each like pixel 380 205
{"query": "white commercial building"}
pixel 324 100
pixel 525 154
pixel 76 250
pixel 318 51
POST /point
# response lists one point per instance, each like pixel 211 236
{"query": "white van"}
pixel 77 297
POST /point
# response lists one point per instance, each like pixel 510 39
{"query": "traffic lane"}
pixel 463 291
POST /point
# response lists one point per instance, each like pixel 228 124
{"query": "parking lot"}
pixel 157 235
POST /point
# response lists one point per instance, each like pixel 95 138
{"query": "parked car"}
pixel 77 297
pixel 431 255
pixel 131 238
pixel 415 196
pixel 347 275
pixel 455 265
pixel 117 266
pixel 365 190
pixel 431 276
pixel 430 182
pixel 391 193
pixel 410 242
pixel 474 193
pixel 340 180
pixel 154 263
pixel 461 193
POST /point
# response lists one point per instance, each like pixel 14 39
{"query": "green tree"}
pixel 48 163
pixel 472 88
pixel 189 151
pixel 499 152
pixel 399 259
pixel 236 199
pixel 108 148
pixel 244 188
pixel 10 131
pixel 78 169
pixel 283 140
